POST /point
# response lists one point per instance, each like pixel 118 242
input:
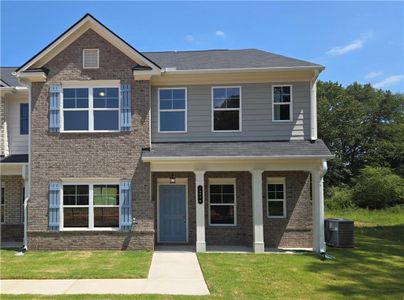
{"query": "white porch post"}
pixel 259 246
pixel 318 210
pixel 200 212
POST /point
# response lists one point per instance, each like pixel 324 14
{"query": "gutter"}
pixel 231 70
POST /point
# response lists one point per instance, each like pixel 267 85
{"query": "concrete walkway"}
pixel 171 272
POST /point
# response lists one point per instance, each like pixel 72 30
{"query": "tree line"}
pixel 364 128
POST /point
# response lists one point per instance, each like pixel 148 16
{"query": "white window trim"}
pixel 223 181
pixel 185 110
pixel 90 206
pixel 3 206
pixel 290 103
pixel 213 109
pixel 277 180
pixel 98 58
pixel 90 86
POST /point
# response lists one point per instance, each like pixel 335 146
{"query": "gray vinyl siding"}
pixel 256 114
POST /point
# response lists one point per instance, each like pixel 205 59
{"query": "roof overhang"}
pixel 235 158
pixel 70 35
pixel 13 89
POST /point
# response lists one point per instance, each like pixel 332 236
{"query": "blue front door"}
pixel 172 213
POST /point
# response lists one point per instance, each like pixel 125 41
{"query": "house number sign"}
pixel 200 194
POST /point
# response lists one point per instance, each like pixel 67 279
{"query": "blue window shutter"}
pixel 126 107
pixel 54 205
pixel 125 220
pixel 24 118
pixel 54 104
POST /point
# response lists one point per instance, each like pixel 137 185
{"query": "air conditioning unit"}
pixel 339 232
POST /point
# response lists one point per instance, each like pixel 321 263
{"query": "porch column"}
pixel 200 212
pixel 259 246
pixel 318 210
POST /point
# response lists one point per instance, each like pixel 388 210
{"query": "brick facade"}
pixel 295 231
pixel 12 229
pixel 90 155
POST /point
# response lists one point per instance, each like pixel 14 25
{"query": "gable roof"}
pixel 82 25
pixel 7 78
pixel 225 59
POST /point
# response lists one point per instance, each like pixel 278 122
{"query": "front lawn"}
pixel 74 264
pixel 373 270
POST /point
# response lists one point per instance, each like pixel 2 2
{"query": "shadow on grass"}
pixel 375 268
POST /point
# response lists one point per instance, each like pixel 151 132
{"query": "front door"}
pixel 172 214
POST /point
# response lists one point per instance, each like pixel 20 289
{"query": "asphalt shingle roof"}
pixel 226 149
pixel 7 77
pixel 224 59
pixel 15 158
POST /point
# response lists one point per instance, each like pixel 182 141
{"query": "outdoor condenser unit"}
pixel 339 233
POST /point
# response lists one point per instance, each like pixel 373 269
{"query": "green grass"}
pixel 74 264
pixel 373 270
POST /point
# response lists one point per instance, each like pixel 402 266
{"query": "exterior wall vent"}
pixel 91 58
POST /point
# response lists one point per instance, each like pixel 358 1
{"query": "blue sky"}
pixel 356 41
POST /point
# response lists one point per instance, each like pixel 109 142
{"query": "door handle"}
pixel 185 219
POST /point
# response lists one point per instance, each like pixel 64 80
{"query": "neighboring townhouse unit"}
pixel 14 129
pixel 206 148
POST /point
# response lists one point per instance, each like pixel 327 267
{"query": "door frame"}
pixel 178 181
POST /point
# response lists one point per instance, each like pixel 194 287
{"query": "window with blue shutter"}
pixel 24 117
pixel 126 107
pixel 126 205
pixel 54 206
pixel 54 104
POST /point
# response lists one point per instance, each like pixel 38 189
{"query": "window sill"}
pixel 232 226
pixel 282 121
pixel 92 229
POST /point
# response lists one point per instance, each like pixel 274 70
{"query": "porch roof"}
pixel 237 150
pixel 15 158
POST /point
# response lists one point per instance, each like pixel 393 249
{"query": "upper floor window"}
pixel 226 112
pixel 276 197
pixel 91 58
pixel 282 103
pixel 90 109
pixel 172 110
pixel 24 116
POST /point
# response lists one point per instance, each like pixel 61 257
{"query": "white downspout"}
pixel 28 190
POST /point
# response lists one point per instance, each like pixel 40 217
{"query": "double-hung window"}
pixel 172 110
pixel 282 103
pixel 222 201
pixel 90 109
pixel 276 197
pixel 24 117
pixel 226 109
pixel 90 206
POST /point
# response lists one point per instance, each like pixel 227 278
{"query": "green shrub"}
pixel 378 187
pixel 339 198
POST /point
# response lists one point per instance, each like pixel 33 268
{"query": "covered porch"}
pixel 269 199
pixel 14 183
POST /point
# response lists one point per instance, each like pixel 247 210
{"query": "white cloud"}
pixel 220 33
pixel 371 75
pixel 340 50
pixel 189 38
pixel 389 81
pixel 354 45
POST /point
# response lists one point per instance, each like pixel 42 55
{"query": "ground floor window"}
pixel 222 201
pixel 3 202
pixel 90 205
pixel 276 197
